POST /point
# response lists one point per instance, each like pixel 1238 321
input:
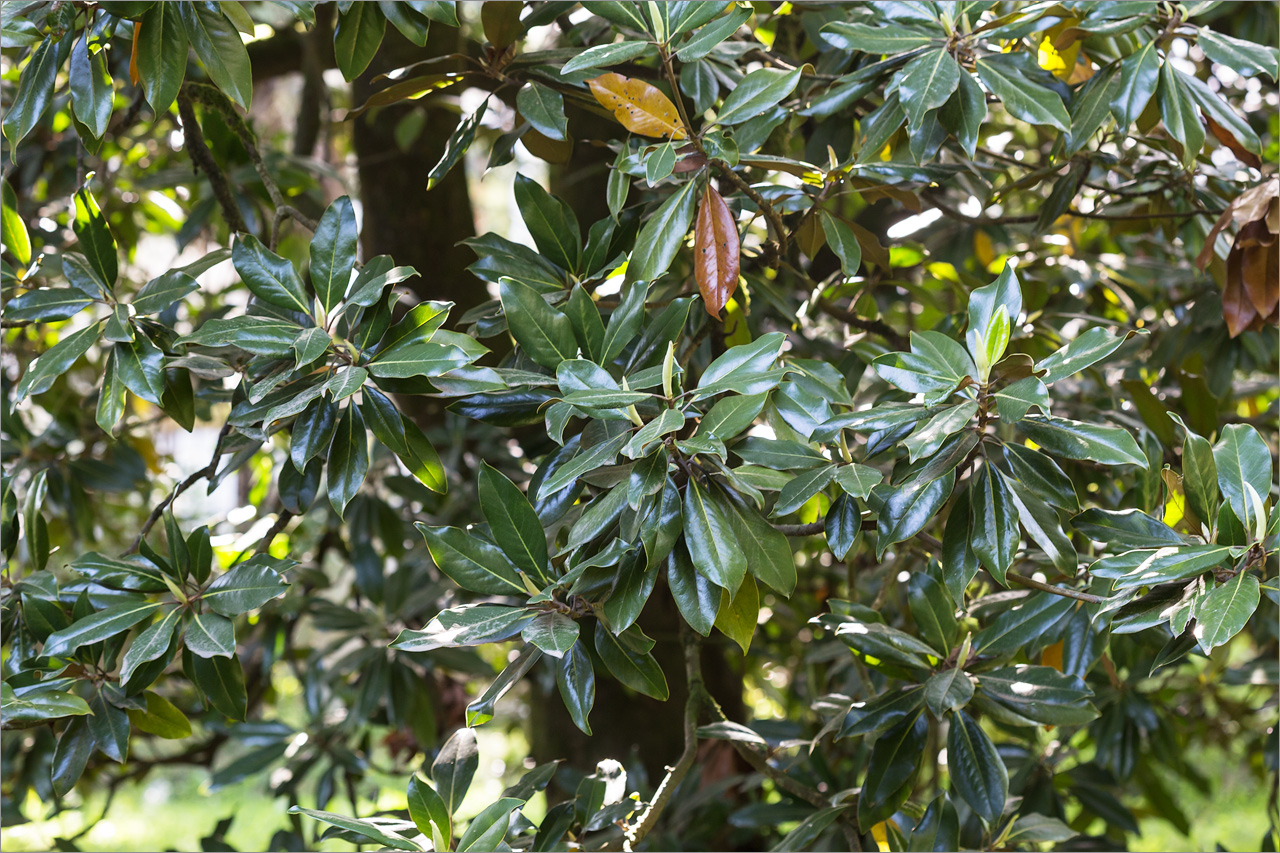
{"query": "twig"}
pixel 205 472
pixel 213 98
pixel 875 327
pixel 952 213
pixel 203 159
pixel 811 529
pixel 1056 590
pixel 677 772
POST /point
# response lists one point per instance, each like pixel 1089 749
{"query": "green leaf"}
pixel 428 811
pixel 468 625
pixel 935 365
pixel 1127 528
pixel 926 83
pixel 257 335
pixel 1200 476
pixel 1043 527
pixel 1091 107
pixel 551 222
pixel 271 278
pixel 96 627
pixel 929 436
pixel 162 55
pixel 755 93
pixel 603 56
pixel 471 562
pixel 544 109
pixel 878 715
pixel 709 535
pixel 45 368
pixel 978 773
pixel 576 680
pixel 771 559
pixel 743 360
pixel 1008 78
pixel 1139 74
pixel 737 615
pixel 1038 828
pixel 994 519
pixel 730 416
pixel 140 366
pixel 932 610
pixel 362 828
pixel 701 43
pixel 892 768
pixel 459 141
pixel 1039 694
pixel 246 586
pixel 882 38
pixel 454 767
pixel 1148 568
pixel 1087 349
pixel 858 480
pixel 36 706
pixel 487 829
pixel 636 670
pixel 95 238
pixel 910 508
pixel 1243 460
pixel 13 231
pixel 110 727
pixel 1244 57
pixel 841 239
pixel 1178 112
pixel 209 635
pixel 71 755
pixel 545 334
pixel 949 690
pixel 1225 611
pixel 515 525
pixel 697 598
pixel 348 459
pixel 357 38
pixel 1089 442
pixel 42 306
pixel 151 644
pixel 333 252
pixel 221 680
pixel 801 488
pixel 1023 624
pixel 91 90
pixel 163 291
pixel 35 89
pixel 218 44
pixel 964 113
pixel 663 234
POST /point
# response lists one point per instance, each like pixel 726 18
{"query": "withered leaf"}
pixel 717 251
pixel 640 107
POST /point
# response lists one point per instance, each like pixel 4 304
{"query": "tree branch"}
pixel 204 473
pixel 202 157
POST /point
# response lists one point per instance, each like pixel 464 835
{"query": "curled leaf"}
pixel 717 252
pixel 638 106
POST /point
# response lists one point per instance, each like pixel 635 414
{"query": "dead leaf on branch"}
pixel 717 252
pixel 1251 293
pixel 639 106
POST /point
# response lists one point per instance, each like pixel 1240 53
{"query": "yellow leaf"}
pixel 983 248
pixel 638 106
pixel 1052 656
pixel 880 832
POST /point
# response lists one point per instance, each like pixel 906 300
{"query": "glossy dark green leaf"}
pixel 98 626
pixel 1028 623
pixel 977 771
pixel 1139 73
pixel 1007 76
pixel 909 509
pixel 91 92
pixel 933 610
pixel 1043 527
pixel 271 278
pixel 663 233
pixel 109 726
pixel 603 56
pixel 357 37
pixel 140 367
pixel 551 221
pixel 927 82
pixel 71 755
pixel 636 670
pixel 359 829
pixel 471 562
pixel 333 252
pixel 1179 114
pixel 756 92
pixel 878 715
pixel 454 767
pixel 348 458
pixel 543 108
pixel 544 333
pixel 993 517
pixel 515 525
pixel 1126 528
pixel 709 534
pixel 151 644
pixel 949 690
pixel 428 810
pixel 1225 611
pixel 209 635
pixel 162 54
pixel 697 597
pixel 247 586
pixel 894 763
pixel 35 89
pixel 1039 694
pixel 881 38
pixel 1244 57
pixel 576 680
pixel 467 625
pixel 1243 463
pixel 487 829
pixel 217 42
pixel 1043 476
pixel 1070 439
pixel 221 681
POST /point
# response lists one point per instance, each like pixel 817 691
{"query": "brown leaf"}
pixel 1228 139
pixel 691 163
pixel 544 147
pixel 133 56
pixel 1237 308
pixel 638 106
pixel 717 252
pixel 1258 270
pixel 810 237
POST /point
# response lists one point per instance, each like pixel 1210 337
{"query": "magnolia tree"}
pixel 874 417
